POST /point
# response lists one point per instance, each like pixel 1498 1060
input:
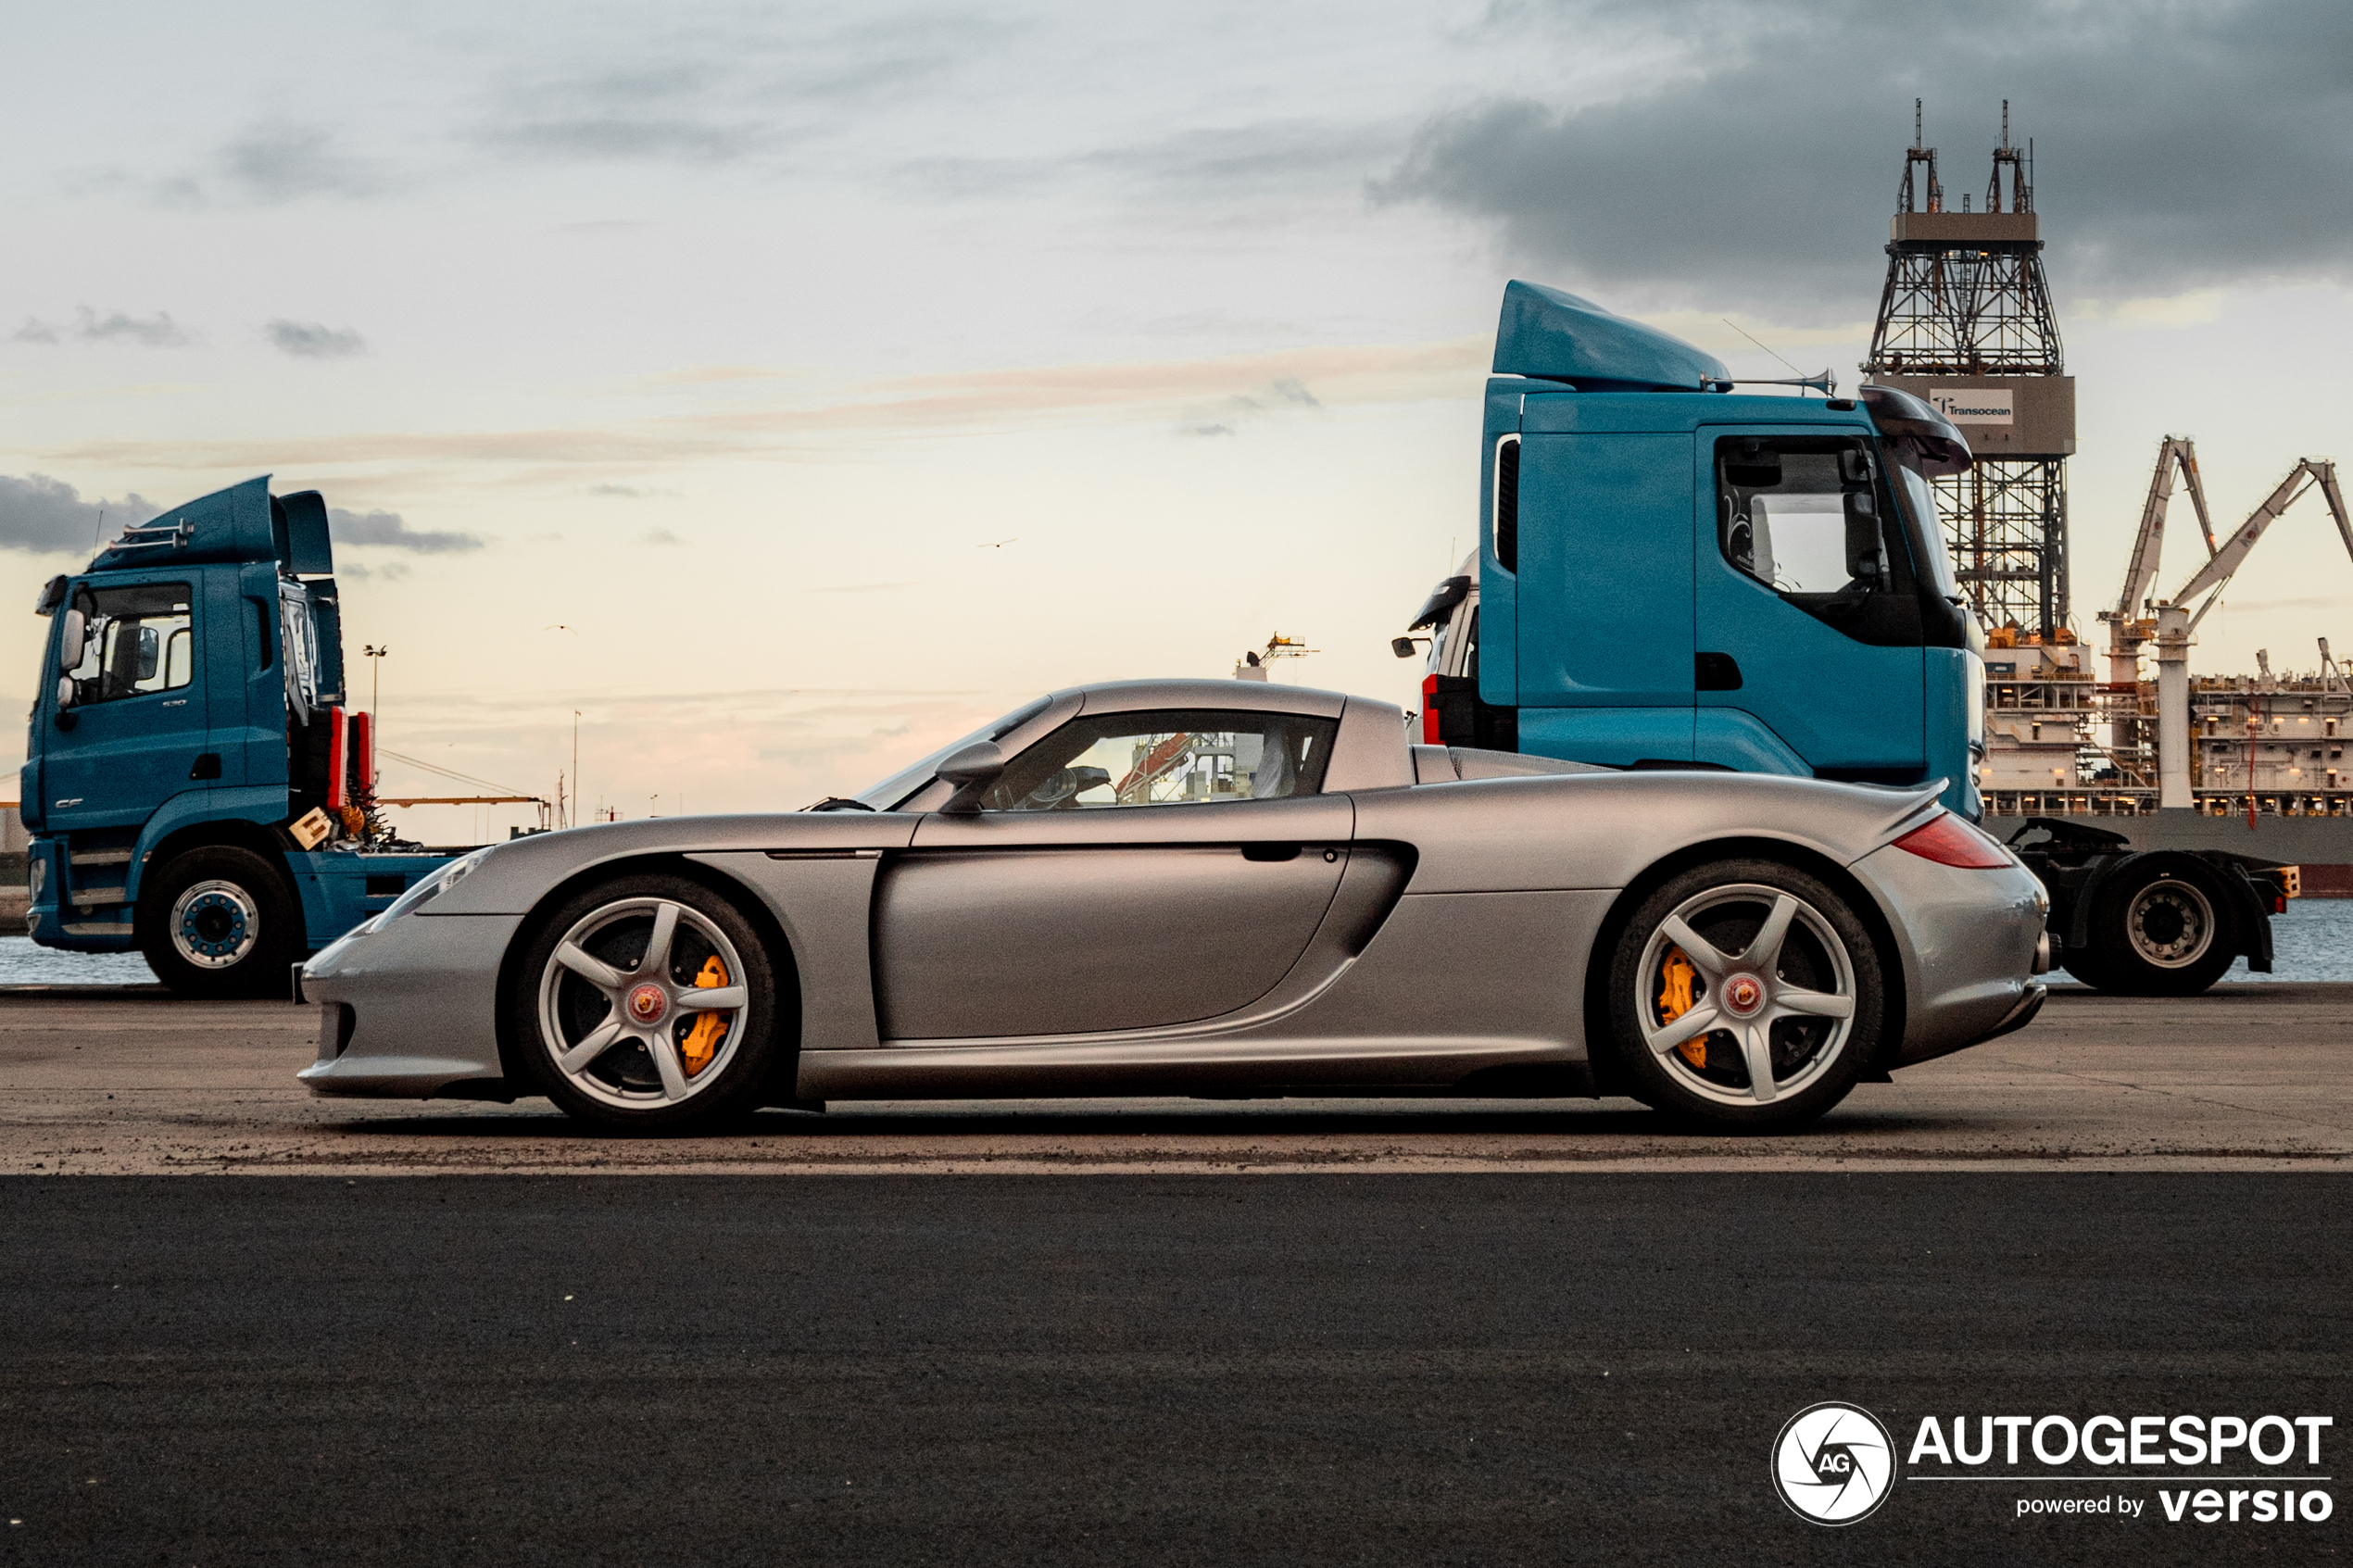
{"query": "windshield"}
pixel 889 793
pixel 1928 531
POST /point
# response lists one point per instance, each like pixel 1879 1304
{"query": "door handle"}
pixel 1715 672
pixel 206 766
pixel 1270 851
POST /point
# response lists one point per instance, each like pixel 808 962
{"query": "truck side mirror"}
pixel 1853 468
pixel 72 632
pixel 972 770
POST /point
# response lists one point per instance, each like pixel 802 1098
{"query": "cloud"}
pixel 390 571
pixel 1221 162
pixel 311 340
pixel 628 491
pixel 44 515
pixel 391 531
pixel 1282 394
pixel 660 114
pixel 1147 390
pixel 158 330
pixel 659 536
pixel 268 164
pixel 1757 159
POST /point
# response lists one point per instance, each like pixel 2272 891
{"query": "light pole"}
pixel 375 677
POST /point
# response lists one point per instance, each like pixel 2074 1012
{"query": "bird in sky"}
pixel 559 627
pixel 997 543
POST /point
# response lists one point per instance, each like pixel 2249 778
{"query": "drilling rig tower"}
pixel 1965 323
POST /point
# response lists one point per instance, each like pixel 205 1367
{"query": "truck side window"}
pixel 135 641
pixel 1811 518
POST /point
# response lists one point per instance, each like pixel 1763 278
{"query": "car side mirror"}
pixel 972 770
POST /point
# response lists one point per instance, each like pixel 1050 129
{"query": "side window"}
pixel 1811 518
pixel 1167 759
pixel 135 641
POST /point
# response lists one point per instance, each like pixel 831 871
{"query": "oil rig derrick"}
pixel 1965 323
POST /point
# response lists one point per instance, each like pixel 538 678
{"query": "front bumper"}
pixel 1969 943
pixel 422 996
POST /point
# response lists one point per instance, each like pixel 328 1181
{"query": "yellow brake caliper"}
pixel 1675 999
pixel 702 1041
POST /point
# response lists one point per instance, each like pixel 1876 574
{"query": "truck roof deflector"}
pixel 1552 334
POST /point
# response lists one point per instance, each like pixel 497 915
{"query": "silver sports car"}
pixel 1202 887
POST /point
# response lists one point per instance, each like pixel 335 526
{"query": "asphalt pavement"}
pixel 2247 1077
pixel 1209 1370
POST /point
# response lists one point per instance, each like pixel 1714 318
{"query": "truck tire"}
pixel 2162 928
pixel 218 922
pixel 609 1028
pixel 1745 994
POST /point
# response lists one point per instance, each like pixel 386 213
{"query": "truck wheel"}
pixel 649 1003
pixel 218 922
pixel 2162 931
pixel 1746 994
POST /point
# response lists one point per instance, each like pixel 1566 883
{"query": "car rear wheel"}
pixel 218 922
pixel 650 1002
pixel 1746 994
pixel 2165 931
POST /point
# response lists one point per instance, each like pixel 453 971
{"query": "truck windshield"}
pixel 1928 531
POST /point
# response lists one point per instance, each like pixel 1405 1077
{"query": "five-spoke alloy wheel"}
pixel 648 1002
pixel 1745 993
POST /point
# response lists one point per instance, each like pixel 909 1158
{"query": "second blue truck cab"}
pixel 1674 574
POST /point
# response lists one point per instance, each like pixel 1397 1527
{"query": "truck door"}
pixel 123 706
pixel 1604 605
pixel 1809 620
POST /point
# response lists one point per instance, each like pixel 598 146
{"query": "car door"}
pixel 1809 629
pixel 1128 871
pixel 124 705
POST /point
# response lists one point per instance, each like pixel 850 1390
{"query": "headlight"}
pixel 432 887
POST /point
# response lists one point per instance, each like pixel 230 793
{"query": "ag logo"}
pixel 1833 1463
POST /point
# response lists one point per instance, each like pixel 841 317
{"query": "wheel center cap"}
pixel 1743 994
pixel 647 1002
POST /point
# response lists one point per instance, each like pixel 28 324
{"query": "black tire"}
pixel 219 921
pixel 1814 1059
pixel 2162 928
pixel 632 1082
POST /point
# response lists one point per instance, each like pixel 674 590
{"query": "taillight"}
pixel 1432 733
pixel 1949 841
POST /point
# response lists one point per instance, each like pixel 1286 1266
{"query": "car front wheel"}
pixel 1746 994
pixel 649 1003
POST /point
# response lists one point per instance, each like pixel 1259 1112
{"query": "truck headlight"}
pixel 36 874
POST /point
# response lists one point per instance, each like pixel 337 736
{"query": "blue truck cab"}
pixel 180 784
pixel 1674 574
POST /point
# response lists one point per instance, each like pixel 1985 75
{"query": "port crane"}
pixel 2137 620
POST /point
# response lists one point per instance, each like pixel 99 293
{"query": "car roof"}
pixel 1250 696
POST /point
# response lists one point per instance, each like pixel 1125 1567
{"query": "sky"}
pixel 784 389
